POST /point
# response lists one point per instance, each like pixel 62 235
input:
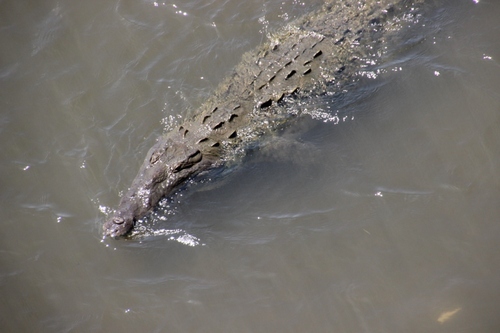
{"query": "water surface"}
pixel 385 219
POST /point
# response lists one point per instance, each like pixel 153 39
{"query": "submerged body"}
pixel 318 53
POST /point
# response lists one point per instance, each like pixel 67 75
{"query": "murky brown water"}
pixel 385 222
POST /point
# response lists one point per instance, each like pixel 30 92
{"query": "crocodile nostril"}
pixel 118 220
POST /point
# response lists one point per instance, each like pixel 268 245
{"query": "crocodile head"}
pixel 168 164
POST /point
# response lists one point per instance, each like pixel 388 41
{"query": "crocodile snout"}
pixel 117 226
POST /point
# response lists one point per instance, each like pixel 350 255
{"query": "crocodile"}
pixel 320 52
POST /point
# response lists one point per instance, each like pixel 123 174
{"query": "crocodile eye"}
pixel 189 162
pixel 194 158
pixel 154 157
pixel 118 220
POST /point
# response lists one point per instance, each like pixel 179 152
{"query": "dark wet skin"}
pixel 167 166
pixel 315 54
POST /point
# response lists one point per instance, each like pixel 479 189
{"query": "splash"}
pixel 177 235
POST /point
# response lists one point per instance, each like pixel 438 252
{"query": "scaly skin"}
pixel 318 53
